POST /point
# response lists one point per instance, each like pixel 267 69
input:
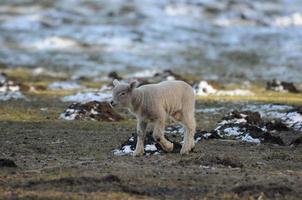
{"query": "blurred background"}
pixel 220 40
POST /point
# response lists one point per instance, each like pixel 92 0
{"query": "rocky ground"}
pixel 44 155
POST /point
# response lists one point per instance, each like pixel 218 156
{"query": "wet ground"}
pixel 75 160
pixel 61 159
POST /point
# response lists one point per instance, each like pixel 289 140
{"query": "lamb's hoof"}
pixel 184 151
pixel 170 148
pixel 138 153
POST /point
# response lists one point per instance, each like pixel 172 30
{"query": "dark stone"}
pixel 276 84
pixel 4 162
pixel 114 75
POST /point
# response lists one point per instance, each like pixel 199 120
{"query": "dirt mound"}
pixel 151 147
pixel 128 147
pixel 4 162
pixel 246 125
pixel 281 86
pixel 253 118
pixel 93 110
pixel 250 127
pixel 270 190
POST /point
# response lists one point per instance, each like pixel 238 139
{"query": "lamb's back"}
pixel 167 92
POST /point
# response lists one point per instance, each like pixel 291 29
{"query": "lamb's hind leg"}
pixel 141 134
pixel 190 125
pixel 159 135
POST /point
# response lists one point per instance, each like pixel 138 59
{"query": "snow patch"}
pixel 248 138
pixel 65 85
pixel 9 89
pixel 206 89
pixel 294 19
pixel 52 43
pixel 88 96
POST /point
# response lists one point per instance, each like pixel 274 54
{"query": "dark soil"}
pixel 100 111
pixel 270 191
pixel 77 158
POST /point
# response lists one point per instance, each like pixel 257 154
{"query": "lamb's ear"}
pixel 133 84
pixel 115 82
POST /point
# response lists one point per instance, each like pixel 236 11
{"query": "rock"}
pixel 93 110
pixel 114 75
pixel 170 75
pixel 297 141
pixel 281 86
pixel 297 109
pixel 4 162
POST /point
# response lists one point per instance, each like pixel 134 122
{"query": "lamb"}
pixel 154 103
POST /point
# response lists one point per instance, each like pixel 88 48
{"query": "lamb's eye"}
pixel 122 94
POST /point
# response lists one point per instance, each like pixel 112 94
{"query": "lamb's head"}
pixel 122 93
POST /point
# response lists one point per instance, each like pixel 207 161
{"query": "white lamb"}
pixel 154 103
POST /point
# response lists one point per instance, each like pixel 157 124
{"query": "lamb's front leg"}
pixel 141 134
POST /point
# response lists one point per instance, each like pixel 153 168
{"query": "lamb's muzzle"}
pixel 155 103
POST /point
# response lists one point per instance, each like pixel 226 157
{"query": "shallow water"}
pixel 225 40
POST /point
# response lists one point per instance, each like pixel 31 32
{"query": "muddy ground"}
pixel 59 159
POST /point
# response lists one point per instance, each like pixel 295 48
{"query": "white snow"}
pixel 232 131
pixel 205 89
pixel 143 74
pixel 233 121
pixel 53 43
pixel 69 114
pixel 9 90
pixel 294 19
pixel 88 96
pixel 293 120
pixel 4 96
pixel 65 85
pixel 236 92
pixel 150 147
pixel 124 151
pixel 209 110
pixel 248 138
pixel 279 112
